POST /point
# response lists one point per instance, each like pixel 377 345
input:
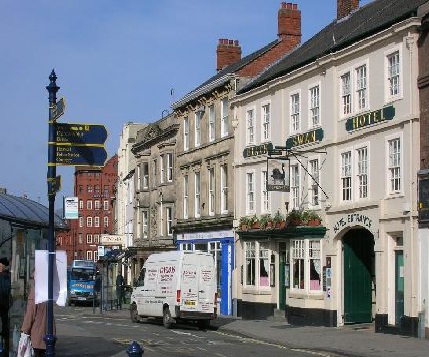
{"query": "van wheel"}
pixel 203 324
pixel 167 320
pixel 133 313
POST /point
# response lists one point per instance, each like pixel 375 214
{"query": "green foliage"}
pixel 264 219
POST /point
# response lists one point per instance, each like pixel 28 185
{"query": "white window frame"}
pixel 169 167
pixel 224 127
pixel 169 220
pixel 361 88
pixel 89 221
pixel 295 184
pixel 224 188
pixel 197 198
pixel 161 168
pixel 80 222
pixel 362 172
pixel 106 222
pixel 145 223
pixel 80 204
pixel 256 255
pixel 346 93
pixel 97 205
pixel 138 177
pixel 266 121
pixel 250 126
pixel 106 205
pixel 394 170
pixel 212 191
pixel 295 111
pixel 89 255
pixel 145 166
pixel 265 195
pixel 96 238
pixel 185 196
pixel 387 54
pixel 314 191
pixel 346 175
pixel 96 221
pixel 304 252
pixel 250 192
pixel 89 238
pixel 314 115
pixel 212 123
pixel 89 204
pixel 198 120
pixel 186 134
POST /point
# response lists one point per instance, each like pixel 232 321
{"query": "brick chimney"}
pixel 228 52
pixel 289 23
pixel 345 7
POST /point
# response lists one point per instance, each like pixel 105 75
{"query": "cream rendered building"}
pixel 344 108
pixel 125 189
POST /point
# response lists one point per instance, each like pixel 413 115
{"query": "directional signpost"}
pixel 58 109
pixel 80 144
pixel 73 155
pixel 73 145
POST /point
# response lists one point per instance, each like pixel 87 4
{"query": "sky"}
pixel 116 62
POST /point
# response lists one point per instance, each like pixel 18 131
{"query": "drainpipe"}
pixel 410 41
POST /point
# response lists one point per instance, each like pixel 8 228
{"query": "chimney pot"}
pixel 289 23
pixel 228 52
pixel 346 7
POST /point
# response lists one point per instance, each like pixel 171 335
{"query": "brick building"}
pixel 95 189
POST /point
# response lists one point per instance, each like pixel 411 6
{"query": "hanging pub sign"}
pixel 278 178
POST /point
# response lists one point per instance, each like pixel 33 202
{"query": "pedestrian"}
pixel 119 289
pixel 4 302
pixel 35 322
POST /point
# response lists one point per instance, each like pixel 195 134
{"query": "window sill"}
pixel 306 295
pixel 257 291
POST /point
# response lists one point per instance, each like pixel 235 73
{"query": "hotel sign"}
pixel 371 118
pixel 257 150
pixel 309 137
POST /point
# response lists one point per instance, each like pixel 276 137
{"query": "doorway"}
pixel 358 246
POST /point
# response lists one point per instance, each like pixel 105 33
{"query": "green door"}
pixel 282 281
pixel 358 254
pixel 399 286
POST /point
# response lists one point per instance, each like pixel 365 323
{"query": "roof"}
pixel 367 20
pixel 222 77
pixel 27 213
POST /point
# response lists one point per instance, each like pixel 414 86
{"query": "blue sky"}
pixel 116 62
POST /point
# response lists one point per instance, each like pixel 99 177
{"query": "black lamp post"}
pixel 52 88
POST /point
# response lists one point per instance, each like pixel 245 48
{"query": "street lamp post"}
pixel 52 88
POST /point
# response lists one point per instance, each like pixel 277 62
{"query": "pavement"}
pixel 350 341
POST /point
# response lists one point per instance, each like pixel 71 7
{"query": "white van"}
pixel 176 285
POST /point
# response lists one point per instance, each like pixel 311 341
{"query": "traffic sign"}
pixel 86 155
pixel 83 134
pixel 58 109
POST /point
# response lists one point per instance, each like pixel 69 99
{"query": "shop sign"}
pixel 309 137
pixel 353 219
pixel 257 150
pixel 371 118
pixel 111 239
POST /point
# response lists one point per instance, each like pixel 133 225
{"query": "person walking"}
pixel 119 289
pixel 5 285
pixel 35 322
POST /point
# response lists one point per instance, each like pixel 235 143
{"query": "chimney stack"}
pixel 228 52
pixel 289 23
pixel 346 7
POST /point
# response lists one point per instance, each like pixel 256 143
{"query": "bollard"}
pixel 135 350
